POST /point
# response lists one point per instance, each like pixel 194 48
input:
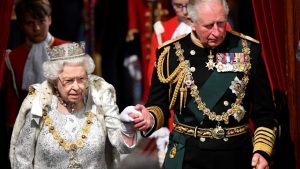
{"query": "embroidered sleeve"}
pixel 24 147
pixel 264 139
pixel 112 122
pixel 158 115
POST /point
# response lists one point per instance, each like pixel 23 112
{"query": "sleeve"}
pixel 263 111
pixel 24 146
pixel 158 101
pixel 112 122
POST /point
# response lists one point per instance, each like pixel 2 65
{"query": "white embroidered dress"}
pixel 34 148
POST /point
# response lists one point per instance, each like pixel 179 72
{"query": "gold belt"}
pixel 213 133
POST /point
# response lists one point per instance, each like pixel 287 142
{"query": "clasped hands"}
pixel 135 118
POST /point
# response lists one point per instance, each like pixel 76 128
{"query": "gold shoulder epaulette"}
pixel 244 36
pixel 31 91
pixel 172 40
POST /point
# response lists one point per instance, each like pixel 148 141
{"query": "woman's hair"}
pixel 53 68
pixel 194 5
pixel 38 9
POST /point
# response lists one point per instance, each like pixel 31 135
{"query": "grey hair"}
pixel 194 5
pixel 51 69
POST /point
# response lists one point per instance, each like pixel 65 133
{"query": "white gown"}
pixel 42 151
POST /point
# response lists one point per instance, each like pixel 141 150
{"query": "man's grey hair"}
pixel 52 69
pixel 194 5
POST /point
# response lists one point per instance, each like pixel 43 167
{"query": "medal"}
pixel 173 152
pixel 210 64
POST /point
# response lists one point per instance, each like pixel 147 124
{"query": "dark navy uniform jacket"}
pixel 258 102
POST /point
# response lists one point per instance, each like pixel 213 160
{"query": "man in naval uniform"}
pixel 215 80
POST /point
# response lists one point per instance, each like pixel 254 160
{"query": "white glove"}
pixel 162 138
pixel 124 116
pixel 133 65
pixel 127 122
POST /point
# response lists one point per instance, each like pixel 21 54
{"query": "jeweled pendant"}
pixel 74 162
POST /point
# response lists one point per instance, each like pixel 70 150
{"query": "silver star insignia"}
pixel 210 65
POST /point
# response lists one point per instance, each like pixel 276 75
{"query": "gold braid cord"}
pixel 176 76
pixel 158 114
pixel 264 139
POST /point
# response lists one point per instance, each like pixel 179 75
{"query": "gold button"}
pixel 148 35
pixel 226 103
pixel 147 14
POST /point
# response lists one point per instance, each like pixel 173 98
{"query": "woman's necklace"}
pixel 69 106
pixel 70 147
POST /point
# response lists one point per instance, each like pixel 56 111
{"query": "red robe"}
pixel 10 100
pixel 139 21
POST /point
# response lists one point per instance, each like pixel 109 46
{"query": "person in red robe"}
pixel 23 65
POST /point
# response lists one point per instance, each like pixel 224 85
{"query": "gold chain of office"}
pixel 183 70
pixel 79 143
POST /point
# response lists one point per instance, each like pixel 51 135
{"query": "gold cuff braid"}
pixel 158 114
pixel 264 139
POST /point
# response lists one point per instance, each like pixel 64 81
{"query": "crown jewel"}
pixel 66 51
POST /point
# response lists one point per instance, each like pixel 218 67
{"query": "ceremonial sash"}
pixel 211 92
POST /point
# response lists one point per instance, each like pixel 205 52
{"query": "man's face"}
pixel 180 9
pixel 36 30
pixel 210 26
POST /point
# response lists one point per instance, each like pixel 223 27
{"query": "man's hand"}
pixel 259 162
pixel 142 122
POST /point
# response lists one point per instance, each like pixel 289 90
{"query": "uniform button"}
pixel 147 14
pixel 148 24
pixel 148 46
pixel 148 35
pixel 226 103
pixel 192 69
pixel 202 139
pixel 192 52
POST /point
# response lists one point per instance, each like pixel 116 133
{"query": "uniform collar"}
pixel 195 40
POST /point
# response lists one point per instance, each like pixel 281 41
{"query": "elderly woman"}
pixel 70 119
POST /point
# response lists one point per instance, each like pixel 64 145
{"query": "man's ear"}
pixel 190 22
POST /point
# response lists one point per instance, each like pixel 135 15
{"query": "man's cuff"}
pixel 264 140
pixel 158 116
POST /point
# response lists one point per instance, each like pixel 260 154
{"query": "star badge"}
pixel 210 65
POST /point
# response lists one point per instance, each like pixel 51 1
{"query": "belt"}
pixel 213 133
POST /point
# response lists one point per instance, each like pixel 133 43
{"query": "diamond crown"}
pixel 66 51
